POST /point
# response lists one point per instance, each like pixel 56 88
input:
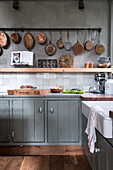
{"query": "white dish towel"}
pixel 91 124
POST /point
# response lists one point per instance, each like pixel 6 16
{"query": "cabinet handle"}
pixel 97 150
pixel 40 109
pixel 52 110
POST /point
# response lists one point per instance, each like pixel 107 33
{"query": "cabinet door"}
pixel 28 125
pixel 102 152
pixel 39 121
pixel 63 121
pixel 4 121
pixel 109 160
pixel 89 155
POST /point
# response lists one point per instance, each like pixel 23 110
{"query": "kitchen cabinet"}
pixel 102 157
pixel 63 121
pixel 89 155
pixel 28 121
pixel 4 121
pixel 109 157
pixel 40 121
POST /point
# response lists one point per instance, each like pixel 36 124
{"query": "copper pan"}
pixel 16 38
pixel 4 40
pixel 50 49
pixel 41 38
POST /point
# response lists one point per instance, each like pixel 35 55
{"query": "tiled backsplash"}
pixel 46 80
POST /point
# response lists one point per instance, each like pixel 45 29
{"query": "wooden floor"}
pixel 68 162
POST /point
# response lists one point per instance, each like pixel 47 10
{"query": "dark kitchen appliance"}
pixel 100 84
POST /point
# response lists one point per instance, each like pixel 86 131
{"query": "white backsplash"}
pixel 46 80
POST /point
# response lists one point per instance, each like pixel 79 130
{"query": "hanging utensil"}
pixel 89 45
pixel 60 43
pixel 28 41
pixel 99 48
pixel 16 38
pixel 50 49
pixel 4 40
pixel 67 44
pixel 78 48
pixel 85 32
pixel 41 38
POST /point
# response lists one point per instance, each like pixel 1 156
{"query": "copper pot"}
pixel 89 45
pixel 78 48
pixel 41 38
pixel 4 40
pixel 28 41
pixel 16 38
pixel 60 43
pixel 99 48
pixel 50 49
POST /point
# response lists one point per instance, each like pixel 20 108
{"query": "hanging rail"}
pixel 46 29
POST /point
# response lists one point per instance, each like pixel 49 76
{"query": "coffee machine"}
pixel 100 84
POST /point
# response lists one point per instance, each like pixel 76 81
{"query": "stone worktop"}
pixel 51 95
pixel 84 97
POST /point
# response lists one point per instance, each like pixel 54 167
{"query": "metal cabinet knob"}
pixel 40 109
pixel 97 150
pixel 52 110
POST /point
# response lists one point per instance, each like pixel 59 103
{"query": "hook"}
pixel 22 29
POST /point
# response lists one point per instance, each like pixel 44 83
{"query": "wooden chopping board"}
pixel 28 92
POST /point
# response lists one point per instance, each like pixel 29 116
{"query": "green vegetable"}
pixel 73 91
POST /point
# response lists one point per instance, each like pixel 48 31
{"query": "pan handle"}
pixel 68 35
pixel 50 36
pixel 98 37
pixel 60 34
pixel 77 36
pixel 85 32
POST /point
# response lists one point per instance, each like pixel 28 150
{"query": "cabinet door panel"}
pixel 4 121
pixel 63 121
pixel 74 121
pixel 109 159
pixel 23 120
pixel 28 121
pixel 17 121
pixel 39 121
pixel 52 121
pixel 102 152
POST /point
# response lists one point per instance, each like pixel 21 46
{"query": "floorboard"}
pixel 52 162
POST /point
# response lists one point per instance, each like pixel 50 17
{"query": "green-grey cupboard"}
pixel 34 121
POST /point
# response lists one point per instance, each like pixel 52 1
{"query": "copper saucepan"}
pixel 50 49
pixel 78 48
pixel 99 48
pixel 89 45
pixel 16 38
pixel 41 38
pixel 4 40
pixel 28 41
pixel 60 43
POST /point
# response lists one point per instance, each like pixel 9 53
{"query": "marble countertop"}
pixel 84 97
pixel 51 95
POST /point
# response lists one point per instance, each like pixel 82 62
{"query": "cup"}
pixel 91 65
pixel 86 65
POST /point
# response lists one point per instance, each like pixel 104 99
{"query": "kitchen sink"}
pixel 104 123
